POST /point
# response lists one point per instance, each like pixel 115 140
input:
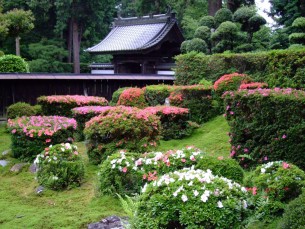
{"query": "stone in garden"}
pixel 111 222
pixel 40 189
pixel 3 163
pixel 17 167
pixel 33 168
pixel 6 152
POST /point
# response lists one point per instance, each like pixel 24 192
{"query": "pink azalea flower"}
pixel 48 140
pixel 285 165
pixel 284 136
pixel 124 170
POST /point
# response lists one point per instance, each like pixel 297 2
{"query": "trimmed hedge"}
pixel 63 104
pixel 133 97
pixel 31 135
pixel 22 109
pixel 267 125
pixel 277 68
pixel 12 63
pixel 156 94
pixel 116 96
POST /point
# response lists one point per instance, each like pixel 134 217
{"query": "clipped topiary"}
pixel 116 96
pixel 21 109
pixel 133 97
pixel 223 15
pixel 191 199
pixel 121 128
pixel 207 21
pixel 156 94
pixel 60 167
pixel 12 63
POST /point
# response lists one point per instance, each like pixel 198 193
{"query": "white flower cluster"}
pixel 269 165
pixel 121 162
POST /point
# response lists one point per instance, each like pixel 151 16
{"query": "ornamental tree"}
pixel 299 36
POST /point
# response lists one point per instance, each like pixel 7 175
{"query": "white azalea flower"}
pixel 196 193
pixel 184 198
pixel 219 204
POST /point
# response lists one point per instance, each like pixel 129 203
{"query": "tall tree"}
pixel 82 18
pixel 19 22
pixel 286 11
pixel 214 6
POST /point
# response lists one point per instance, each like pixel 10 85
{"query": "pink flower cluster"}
pixel 268 92
pixel 225 79
pixel 165 110
pixel 34 126
pixel 80 100
pixel 252 85
pixel 91 109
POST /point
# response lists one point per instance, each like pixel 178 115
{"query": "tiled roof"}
pixel 135 34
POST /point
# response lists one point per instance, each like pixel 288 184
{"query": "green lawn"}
pixel 21 207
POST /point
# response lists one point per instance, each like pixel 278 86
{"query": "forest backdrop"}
pixel 52 34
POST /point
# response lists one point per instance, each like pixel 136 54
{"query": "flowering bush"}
pixel 30 135
pixel 266 125
pixel 121 128
pixel 116 96
pixel 174 121
pixel 84 114
pixel 191 199
pixel 254 85
pixel 60 167
pixel 125 173
pixel 279 180
pixel 197 98
pixel 132 97
pixel 230 82
pixel 62 104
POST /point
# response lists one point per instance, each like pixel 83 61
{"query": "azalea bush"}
pixel 254 85
pixel 84 114
pixel 22 109
pixel 156 94
pixel 31 135
pixel 60 167
pixel 279 180
pixel 191 199
pixel 132 97
pixel 121 128
pixel 62 104
pixel 266 125
pixel 174 121
pixel 126 173
pixel 116 95
pixel 197 98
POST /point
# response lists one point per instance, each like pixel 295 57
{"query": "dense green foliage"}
pixel 12 63
pixel 22 109
pixel 156 94
pixel 266 125
pixel 60 167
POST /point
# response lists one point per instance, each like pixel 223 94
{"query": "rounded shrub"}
pixel 174 121
pixel 225 167
pixel 121 128
pixel 60 167
pixel 31 135
pixel 21 109
pixel 184 46
pixel 191 199
pixel 12 63
pixel 293 216
pixel 116 96
pixel 281 181
pixel 84 114
pixel 133 97
pixel 223 15
pixel 203 32
pixel 197 45
pixel 63 104
pixel 156 94
pixel 207 21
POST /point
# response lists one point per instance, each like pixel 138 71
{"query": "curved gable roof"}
pixel 136 34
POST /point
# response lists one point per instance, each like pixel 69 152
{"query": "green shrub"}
pixel 191 199
pixel 60 167
pixel 197 45
pixel 266 125
pixel 223 15
pixel 12 63
pixel 207 21
pixel 116 96
pixel 121 128
pixel 225 167
pixel 294 214
pixel 21 109
pixel 84 114
pixel 279 180
pixel 31 135
pixel 63 104
pixel 197 98
pixel 133 97
pixel 203 32
pixel 156 94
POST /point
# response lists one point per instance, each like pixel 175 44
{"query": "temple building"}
pixel 140 45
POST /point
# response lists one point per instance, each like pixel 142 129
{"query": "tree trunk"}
pixel 76 44
pixel 17 39
pixel 69 41
pixel 214 6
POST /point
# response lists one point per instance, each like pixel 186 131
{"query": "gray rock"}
pixel 111 222
pixel 4 163
pixel 33 168
pixel 40 189
pixel 17 167
pixel 6 152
